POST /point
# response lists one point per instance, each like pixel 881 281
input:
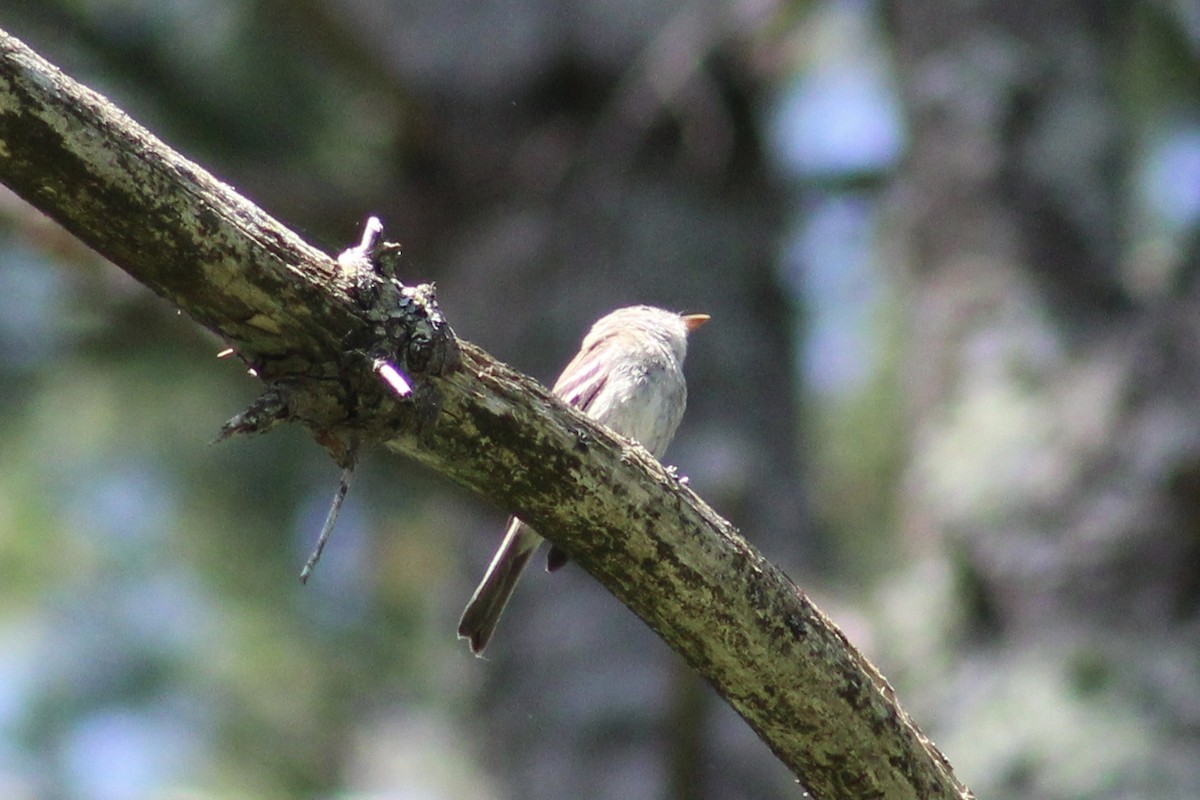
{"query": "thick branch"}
pixel 739 621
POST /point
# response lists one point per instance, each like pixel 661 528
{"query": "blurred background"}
pixel 952 387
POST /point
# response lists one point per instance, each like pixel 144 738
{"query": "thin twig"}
pixel 330 520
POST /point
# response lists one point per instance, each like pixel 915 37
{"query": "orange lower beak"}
pixel 693 321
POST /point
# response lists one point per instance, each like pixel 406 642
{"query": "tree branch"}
pixel 290 312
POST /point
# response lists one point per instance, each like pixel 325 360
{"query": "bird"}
pixel 628 375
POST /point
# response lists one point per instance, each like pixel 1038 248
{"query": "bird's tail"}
pixel 487 604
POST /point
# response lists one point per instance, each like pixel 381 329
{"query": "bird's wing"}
pixel 582 380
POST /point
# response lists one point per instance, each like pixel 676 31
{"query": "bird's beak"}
pixel 693 321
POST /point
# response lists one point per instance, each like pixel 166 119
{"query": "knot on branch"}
pixel 409 338
pixel 406 342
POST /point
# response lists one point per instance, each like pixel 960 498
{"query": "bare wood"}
pixel 737 620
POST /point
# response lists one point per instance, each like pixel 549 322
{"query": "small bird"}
pixel 628 374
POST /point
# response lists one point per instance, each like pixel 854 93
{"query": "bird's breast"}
pixel 645 403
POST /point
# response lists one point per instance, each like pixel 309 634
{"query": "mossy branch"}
pixel 290 312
